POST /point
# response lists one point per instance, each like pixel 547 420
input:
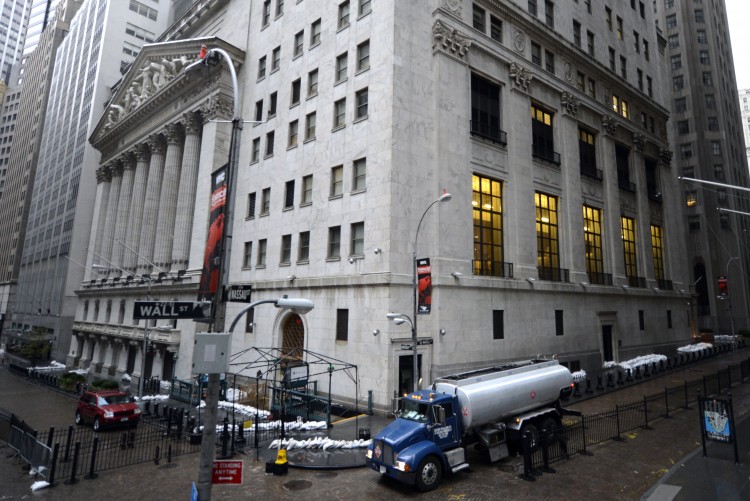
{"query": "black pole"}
pixel 53 467
pixel 257 413
pixel 702 422
pixel 68 443
pixel 72 480
pixel 91 475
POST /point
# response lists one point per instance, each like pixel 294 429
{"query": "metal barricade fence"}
pixel 35 453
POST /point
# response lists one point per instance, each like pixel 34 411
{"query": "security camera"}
pixel 351 260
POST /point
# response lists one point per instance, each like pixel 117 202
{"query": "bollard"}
pixel 645 414
pixel 610 380
pixel 124 441
pixel 225 439
pixel 147 408
pixel 577 391
pixel 157 454
pixel 669 364
pixel 72 480
pixel 180 417
pixel 619 378
pixel 629 377
pixel 53 466
pixel 661 365
pixel 68 443
pixel 131 439
pixel 645 371
pixel 528 474
pixel 666 403
pixel 169 453
pixel 588 386
pixel 91 475
pixel 168 433
pixel 156 409
pixel 49 436
pixel 638 372
pixel 545 435
pixel 599 385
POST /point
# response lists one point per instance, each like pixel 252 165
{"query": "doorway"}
pixel 405 369
pixel 607 346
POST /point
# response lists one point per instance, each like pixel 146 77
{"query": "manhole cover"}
pixel 297 485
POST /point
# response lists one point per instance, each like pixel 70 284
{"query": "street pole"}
pixel 218 312
pixel 445 197
pixel 729 296
pixel 145 343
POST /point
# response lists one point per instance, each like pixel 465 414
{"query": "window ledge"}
pixel 260 266
pixel 339 82
pixel 294 105
pixel 333 258
pixel 310 96
pixel 303 261
pixel 316 44
pixel 298 55
pixel 264 214
pixel 361 119
pixel 342 27
pixel 291 147
pixel 361 70
pixel 335 197
pixel 338 127
pixel 305 204
pixel 287 209
pixel 308 140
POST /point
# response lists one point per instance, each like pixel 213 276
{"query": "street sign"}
pixel 407 347
pixel 166 309
pixel 424 341
pixel 227 472
pixel 239 293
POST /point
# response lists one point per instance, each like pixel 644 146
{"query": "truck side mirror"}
pixel 439 414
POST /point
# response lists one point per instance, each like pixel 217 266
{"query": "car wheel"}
pixel 429 474
pixel 79 418
pixel 97 424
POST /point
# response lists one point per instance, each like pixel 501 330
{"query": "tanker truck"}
pixel 492 407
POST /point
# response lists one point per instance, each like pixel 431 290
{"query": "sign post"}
pixel 717 422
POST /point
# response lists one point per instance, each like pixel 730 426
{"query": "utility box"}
pixel 211 353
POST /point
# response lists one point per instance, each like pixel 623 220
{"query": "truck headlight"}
pixel 137 410
pixel 402 466
pixel 369 453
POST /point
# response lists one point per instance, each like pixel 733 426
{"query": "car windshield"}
pixel 414 411
pixel 114 399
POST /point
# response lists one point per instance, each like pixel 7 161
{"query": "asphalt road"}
pixel 617 470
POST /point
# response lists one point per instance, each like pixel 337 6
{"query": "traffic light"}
pixel 723 286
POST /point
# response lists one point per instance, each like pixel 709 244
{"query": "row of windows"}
pixel 143 10
pixel 485 123
pixel 139 33
pixel 333 247
pixel 342 66
pixel 364 7
pixel 358 184
pixel 361 110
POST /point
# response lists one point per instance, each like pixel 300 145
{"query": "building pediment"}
pixel 155 79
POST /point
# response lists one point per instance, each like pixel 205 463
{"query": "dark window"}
pixel 641 321
pixel 622 157
pixel 498 326
pixel 289 195
pixel 587 152
pixel 485 108
pixel 251 205
pixel 542 134
pixel 652 178
pixel 342 325
pixel 496 29
pixel 669 319
pixel 559 331
pixel 478 18
pixel 250 321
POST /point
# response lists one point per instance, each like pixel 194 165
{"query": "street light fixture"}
pixel 445 197
pixel 728 296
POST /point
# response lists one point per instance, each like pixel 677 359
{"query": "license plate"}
pixel 124 419
pixel 382 470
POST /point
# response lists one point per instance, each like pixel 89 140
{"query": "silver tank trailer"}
pixel 495 395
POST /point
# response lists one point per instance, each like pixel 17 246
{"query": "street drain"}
pixel 297 485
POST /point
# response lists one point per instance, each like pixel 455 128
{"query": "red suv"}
pixel 107 408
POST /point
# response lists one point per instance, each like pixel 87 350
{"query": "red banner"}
pixel 212 257
pixel 424 286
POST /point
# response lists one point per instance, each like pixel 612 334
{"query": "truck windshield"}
pixel 414 411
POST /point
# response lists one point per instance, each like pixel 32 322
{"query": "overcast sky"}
pixel 738 12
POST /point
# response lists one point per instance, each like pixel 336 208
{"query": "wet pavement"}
pixel 660 464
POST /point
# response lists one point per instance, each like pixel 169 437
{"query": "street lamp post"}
pixel 445 197
pixel 729 297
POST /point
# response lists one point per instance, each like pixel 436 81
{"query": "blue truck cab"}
pixel 422 443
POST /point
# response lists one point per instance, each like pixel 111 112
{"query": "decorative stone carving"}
pixel 449 40
pixel 453 6
pixel 127 160
pixel 142 152
pixel 520 77
pixel 156 143
pixel 116 168
pixel 639 140
pixel 569 103
pixel 519 40
pixel 609 125
pixel 665 154
pixel 568 71
pixel 192 123
pixel 217 107
pixel 173 133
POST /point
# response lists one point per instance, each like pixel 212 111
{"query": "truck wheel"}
pixel 429 474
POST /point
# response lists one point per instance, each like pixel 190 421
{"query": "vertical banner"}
pixel 424 286
pixel 212 257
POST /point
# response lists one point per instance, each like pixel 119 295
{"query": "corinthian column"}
pixel 151 205
pixel 103 187
pixel 186 194
pixel 168 202
pixel 133 236
pixel 109 227
pixel 123 208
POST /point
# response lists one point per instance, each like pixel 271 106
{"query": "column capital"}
pixel 192 123
pixel 157 144
pixel 142 152
pixel 174 133
pixel 117 168
pixel 103 174
pixel 127 160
